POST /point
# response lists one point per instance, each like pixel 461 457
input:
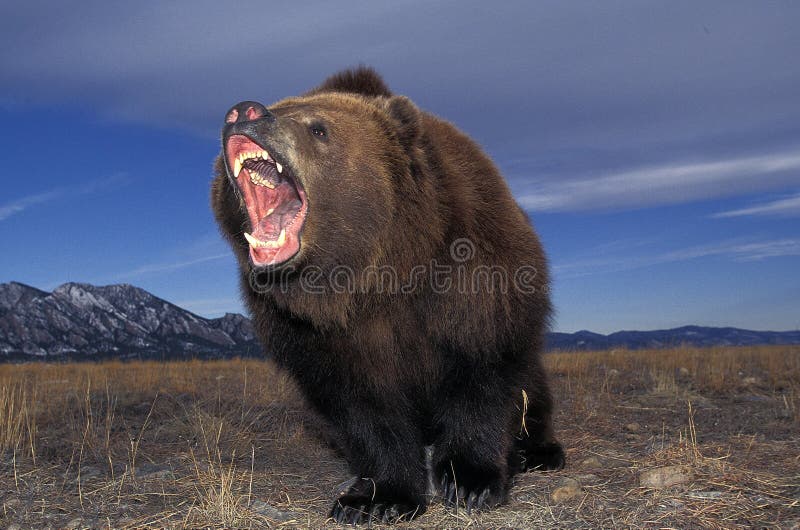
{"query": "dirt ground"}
pixel 656 439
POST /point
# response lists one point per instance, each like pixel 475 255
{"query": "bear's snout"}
pixel 248 111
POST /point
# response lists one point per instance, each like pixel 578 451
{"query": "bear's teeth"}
pixel 258 180
pixel 254 154
pixel 257 243
pixel 239 161
pixel 253 242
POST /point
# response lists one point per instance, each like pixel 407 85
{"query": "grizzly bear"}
pixel 388 268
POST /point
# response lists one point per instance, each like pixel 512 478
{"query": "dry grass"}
pixel 230 445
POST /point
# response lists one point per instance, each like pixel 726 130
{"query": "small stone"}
pixel 613 372
pixel 672 504
pixel 683 371
pixel 633 427
pixel 143 407
pixel 159 475
pixel 710 495
pixel 664 477
pixel 154 472
pixel 11 503
pixel 267 510
pixel 700 402
pixel 75 524
pixel 592 461
pixel 90 472
pixel 568 488
pixel 749 380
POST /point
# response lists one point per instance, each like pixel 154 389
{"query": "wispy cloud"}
pixel 768 249
pixel 212 307
pixel 24 203
pixel 169 267
pixel 665 184
pixel 788 207
pixel 736 250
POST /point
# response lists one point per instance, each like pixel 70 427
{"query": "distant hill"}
pixel 663 338
pixel 82 322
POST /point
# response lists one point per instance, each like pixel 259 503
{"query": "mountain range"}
pixel 664 338
pixel 79 321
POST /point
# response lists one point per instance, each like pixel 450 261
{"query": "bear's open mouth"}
pixel 275 202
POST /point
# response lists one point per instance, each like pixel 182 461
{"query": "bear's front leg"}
pixel 385 451
pixel 470 463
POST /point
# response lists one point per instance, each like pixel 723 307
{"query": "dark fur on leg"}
pixel 469 464
pixel 535 447
pixel 385 450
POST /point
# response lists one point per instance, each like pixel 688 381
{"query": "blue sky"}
pixel 656 145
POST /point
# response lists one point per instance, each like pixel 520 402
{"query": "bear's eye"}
pixel 318 130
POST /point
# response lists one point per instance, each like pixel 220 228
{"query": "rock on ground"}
pixel 567 489
pixel 664 477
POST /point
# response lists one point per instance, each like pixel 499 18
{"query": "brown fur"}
pixel 391 186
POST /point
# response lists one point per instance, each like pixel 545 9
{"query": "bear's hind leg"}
pixel 535 447
pixel 529 454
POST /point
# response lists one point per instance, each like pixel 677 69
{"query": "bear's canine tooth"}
pixel 237 167
pixel 280 167
pixel 269 212
pixel 251 240
pixel 257 243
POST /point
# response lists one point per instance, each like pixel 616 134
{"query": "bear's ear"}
pixel 362 80
pixel 407 118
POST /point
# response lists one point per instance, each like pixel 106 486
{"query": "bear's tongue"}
pixel 270 210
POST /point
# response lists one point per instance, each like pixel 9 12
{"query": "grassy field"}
pixel 671 438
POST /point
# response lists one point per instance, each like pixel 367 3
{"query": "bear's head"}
pixel 316 179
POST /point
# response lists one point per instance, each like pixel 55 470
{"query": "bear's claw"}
pixel 354 510
pixel 474 500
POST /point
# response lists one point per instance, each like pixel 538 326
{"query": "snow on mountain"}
pixel 85 321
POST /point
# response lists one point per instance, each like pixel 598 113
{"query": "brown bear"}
pixel 388 268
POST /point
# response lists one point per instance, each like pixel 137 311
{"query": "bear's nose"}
pixel 247 111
